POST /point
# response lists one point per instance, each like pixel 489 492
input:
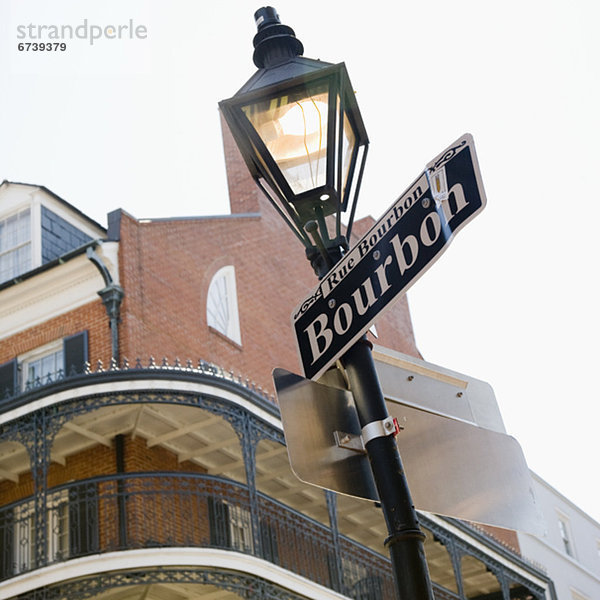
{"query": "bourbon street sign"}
pixel 393 254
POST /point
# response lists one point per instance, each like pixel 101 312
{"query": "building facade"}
pixel 570 549
pixel 141 449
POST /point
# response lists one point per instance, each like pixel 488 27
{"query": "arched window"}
pixel 221 304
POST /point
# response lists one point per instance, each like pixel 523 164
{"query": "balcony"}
pixel 200 464
pixel 158 510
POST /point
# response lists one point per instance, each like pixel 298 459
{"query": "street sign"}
pixel 393 254
pixel 453 467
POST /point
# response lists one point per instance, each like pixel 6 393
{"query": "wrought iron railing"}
pixel 98 370
pixel 147 510
pixel 143 510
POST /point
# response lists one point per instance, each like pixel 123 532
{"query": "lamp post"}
pixel 299 130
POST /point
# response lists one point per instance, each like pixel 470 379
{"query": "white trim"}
pixel 47 294
pixel 577 595
pixel 24 360
pixel 165 557
pixel 559 553
pixel 559 496
pixel 133 385
pixel 40 351
pixel 36 232
pixel 41 197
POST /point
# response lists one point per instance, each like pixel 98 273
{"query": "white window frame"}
pixel 24 537
pixel 57 537
pixel 58 526
pixel 240 528
pixel 566 535
pixel 222 306
pixel 28 243
pixel 25 361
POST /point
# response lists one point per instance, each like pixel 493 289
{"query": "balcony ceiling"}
pixel 202 439
pixel 167 591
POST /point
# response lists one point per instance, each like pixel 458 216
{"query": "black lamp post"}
pixel 298 127
pixel 297 124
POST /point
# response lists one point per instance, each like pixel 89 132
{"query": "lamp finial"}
pixel 274 42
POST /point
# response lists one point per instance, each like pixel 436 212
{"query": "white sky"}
pixel 514 301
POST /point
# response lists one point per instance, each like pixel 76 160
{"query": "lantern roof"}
pixel 277 53
pixel 287 69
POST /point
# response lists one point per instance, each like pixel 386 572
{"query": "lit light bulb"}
pixel 305 118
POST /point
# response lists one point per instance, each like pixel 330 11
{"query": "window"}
pixel 54 361
pixel 24 536
pixel 221 304
pixel 359 583
pixel 565 535
pixel 58 527
pixel 23 543
pixel 72 529
pixel 8 379
pixel 230 526
pixel 15 245
pixel 42 366
pixel 240 527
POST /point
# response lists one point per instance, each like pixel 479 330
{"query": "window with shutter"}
pixel 7 543
pixel 83 519
pixel 218 517
pixel 51 362
pixel 230 526
pixel 75 351
pixel 8 379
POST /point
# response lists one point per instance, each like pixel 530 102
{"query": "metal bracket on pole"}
pixel 349 441
pixel 375 429
pixel 352 441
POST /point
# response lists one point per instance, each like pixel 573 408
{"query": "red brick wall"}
pixel 243 192
pixel 91 316
pixel 166 268
pixel 99 460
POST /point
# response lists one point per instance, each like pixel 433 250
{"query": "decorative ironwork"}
pixel 243 585
pixel 203 368
pixel 186 510
pixel 84 517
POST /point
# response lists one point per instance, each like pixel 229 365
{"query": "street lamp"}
pixel 297 124
pixel 299 130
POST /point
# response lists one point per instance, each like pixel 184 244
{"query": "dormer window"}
pixel 37 227
pixel 15 245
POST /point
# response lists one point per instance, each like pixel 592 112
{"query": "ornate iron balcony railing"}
pixel 13 396
pixel 153 510
pixel 144 510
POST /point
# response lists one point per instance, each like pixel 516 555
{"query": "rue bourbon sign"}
pixel 393 254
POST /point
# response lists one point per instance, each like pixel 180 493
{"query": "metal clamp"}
pixel 377 429
pixel 357 442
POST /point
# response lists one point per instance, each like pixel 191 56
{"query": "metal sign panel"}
pixel 453 467
pixel 393 254
pixel 422 384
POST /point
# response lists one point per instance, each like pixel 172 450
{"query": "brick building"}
pixel 141 449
